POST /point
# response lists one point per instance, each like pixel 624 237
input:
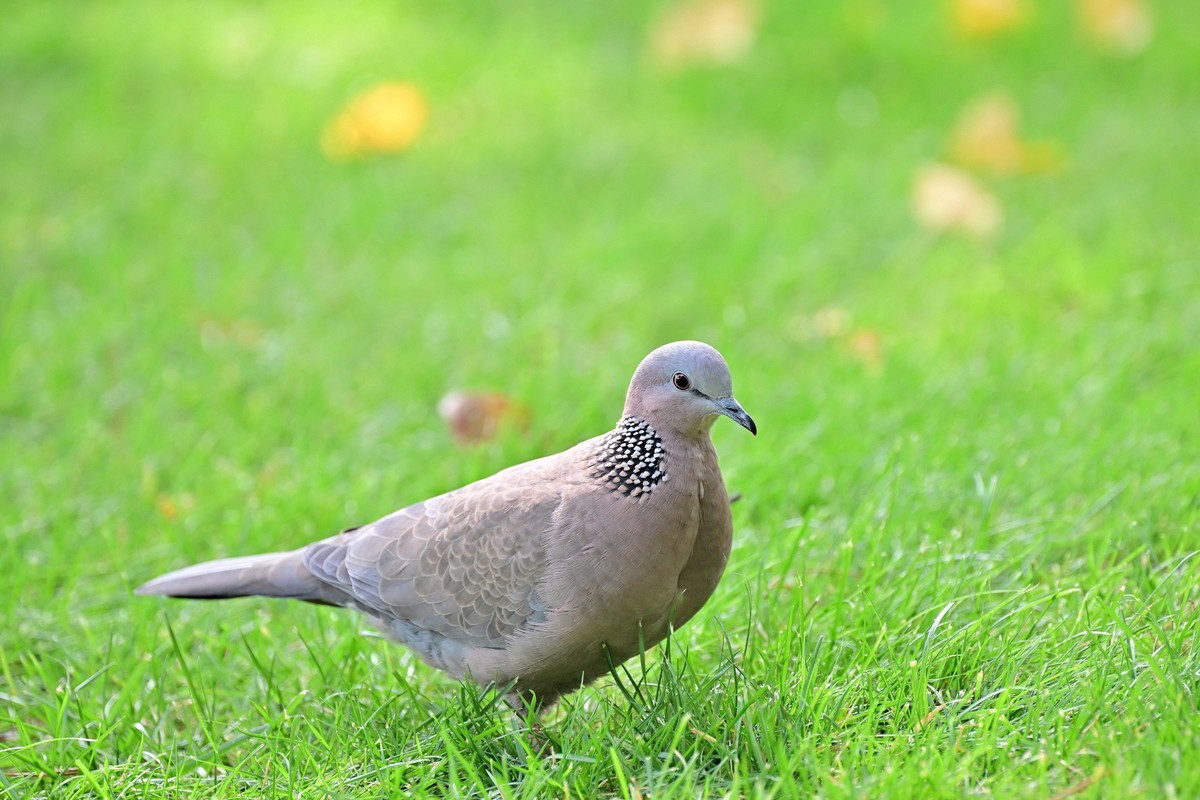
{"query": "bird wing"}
pixel 464 565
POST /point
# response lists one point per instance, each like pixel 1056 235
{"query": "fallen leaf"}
pixel 170 508
pixel 984 19
pixel 928 718
pixel 987 137
pixel 717 32
pixel 1119 26
pixel 831 321
pixel 947 199
pixel 476 417
pixel 866 346
pixel 167 507
pixel 384 119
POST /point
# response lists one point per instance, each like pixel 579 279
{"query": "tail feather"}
pixel 268 575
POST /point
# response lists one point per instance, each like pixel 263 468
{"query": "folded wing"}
pixel 464 566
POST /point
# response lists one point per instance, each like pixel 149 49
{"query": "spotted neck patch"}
pixel 631 460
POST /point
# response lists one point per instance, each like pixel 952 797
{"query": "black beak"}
pixel 732 409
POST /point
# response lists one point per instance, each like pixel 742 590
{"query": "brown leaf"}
pixel 928 718
pixel 387 118
pixel 476 417
pixel 987 137
pixel 717 32
pixel 984 19
pixel 1124 27
pixel 946 199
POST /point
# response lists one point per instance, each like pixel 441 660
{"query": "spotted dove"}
pixel 544 575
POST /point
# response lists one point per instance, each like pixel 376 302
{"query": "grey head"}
pixel 683 387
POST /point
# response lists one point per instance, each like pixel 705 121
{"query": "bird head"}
pixel 684 387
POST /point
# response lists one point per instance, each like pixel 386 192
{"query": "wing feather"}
pixel 464 565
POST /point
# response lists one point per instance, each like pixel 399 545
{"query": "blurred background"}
pixel 247 248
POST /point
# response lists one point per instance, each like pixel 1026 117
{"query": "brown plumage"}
pixel 528 577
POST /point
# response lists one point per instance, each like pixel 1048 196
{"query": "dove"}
pixel 544 576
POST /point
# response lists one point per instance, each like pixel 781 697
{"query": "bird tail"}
pixel 267 575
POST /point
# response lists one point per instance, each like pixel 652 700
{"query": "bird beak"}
pixel 729 407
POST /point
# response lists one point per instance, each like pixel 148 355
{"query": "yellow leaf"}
pixel 1120 26
pixel 828 323
pixel 947 199
pixel 984 19
pixel 167 507
pixel 170 508
pixel 718 32
pixel 866 345
pixel 987 137
pixel 475 417
pixel 384 119
pixel 831 322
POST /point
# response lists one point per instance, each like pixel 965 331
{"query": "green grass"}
pixel 970 571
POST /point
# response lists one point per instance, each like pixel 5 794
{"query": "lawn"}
pixel 965 557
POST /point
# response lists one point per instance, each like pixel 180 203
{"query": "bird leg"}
pixel 526 706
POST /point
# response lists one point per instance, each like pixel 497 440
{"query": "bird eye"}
pixel 682 382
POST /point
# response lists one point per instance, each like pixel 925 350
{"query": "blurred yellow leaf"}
pixel 947 199
pixel 987 137
pixel 866 345
pixel 834 324
pixel 167 507
pixel 831 321
pixel 384 119
pixel 705 32
pixel 475 417
pixel 1121 26
pixel 983 19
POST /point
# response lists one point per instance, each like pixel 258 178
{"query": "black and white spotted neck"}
pixel 631 460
